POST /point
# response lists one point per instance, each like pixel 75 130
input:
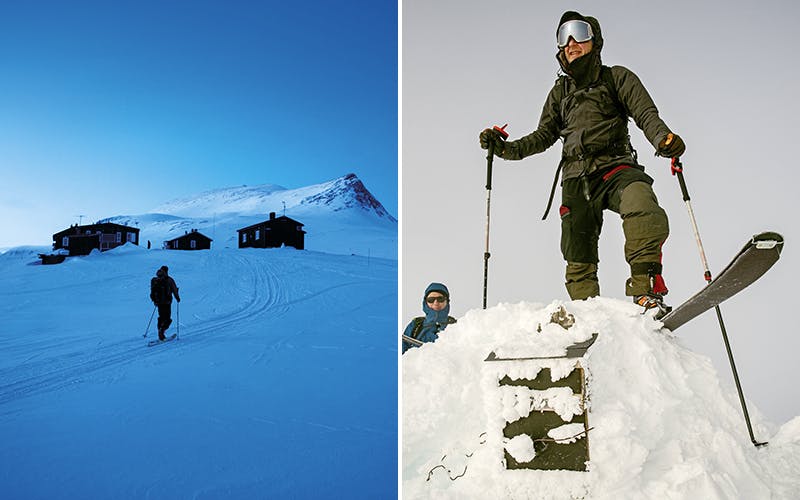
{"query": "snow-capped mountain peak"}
pixel 346 192
pixel 338 194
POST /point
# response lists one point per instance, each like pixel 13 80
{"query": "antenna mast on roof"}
pixel 80 219
pixel 284 208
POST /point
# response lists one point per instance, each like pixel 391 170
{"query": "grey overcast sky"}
pixel 723 76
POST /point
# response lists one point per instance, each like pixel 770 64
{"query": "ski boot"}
pixel 653 301
pixel 161 335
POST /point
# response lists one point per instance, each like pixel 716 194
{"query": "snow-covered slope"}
pixel 340 216
pixel 662 424
pixel 282 384
pixel 338 194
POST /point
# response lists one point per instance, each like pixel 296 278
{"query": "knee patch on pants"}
pixel 580 233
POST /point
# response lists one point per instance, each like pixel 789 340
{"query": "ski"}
pixel 576 350
pixel 157 342
pixel 754 259
pixel 412 340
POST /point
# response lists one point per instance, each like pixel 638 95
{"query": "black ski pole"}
pixel 178 332
pixel 486 254
pixel 148 323
pixel 677 169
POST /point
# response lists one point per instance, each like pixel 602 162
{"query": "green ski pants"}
pixel 627 191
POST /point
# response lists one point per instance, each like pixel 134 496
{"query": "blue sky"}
pixel 113 108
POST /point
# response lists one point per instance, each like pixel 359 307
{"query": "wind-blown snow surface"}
pixel 282 383
pixel 661 424
pixel 339 216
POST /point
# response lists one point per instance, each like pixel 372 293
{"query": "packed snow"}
pixel 281 384
pixel 660 423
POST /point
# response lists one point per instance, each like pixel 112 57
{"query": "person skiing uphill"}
pixel 436 306
pixel 162 289
pixel 588 109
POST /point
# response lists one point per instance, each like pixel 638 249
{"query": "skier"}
pixel 436 306
pixel 588 108
pixel 162 288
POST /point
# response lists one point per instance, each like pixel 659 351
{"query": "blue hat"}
pixel 437 287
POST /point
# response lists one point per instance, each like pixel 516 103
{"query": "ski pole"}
pixel 178 332
pixel 486 254
pixel 148 323
pixel 677 169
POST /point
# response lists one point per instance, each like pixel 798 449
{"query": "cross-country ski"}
pixel 151 343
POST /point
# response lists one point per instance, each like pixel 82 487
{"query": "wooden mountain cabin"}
pixel 192 240
pixel 273 233
pixel 81 240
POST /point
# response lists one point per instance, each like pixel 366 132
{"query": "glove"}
pixel 492 136
pixel 671 146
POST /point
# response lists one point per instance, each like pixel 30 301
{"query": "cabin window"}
pixel 65 241
pixel 119 237
pixel 131 237
pixel 258 234
pixel 244 237
pixel 193 244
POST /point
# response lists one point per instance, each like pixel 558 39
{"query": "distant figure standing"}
pixel 162 288
pixel 148 244
pixel 436 306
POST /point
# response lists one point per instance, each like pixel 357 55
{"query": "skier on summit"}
pixel 588 108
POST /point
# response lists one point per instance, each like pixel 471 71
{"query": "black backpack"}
pixel 159 290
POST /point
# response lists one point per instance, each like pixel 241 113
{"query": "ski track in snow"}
pixel 268 291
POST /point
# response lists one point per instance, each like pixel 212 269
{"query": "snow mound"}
pixel 662 425
pixel 24 252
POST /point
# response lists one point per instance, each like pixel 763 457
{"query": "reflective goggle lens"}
pixel 581 31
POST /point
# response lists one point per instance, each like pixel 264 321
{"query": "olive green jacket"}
pixel 586 116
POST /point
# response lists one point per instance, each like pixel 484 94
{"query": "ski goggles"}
pixel 439 299
pixel 580 31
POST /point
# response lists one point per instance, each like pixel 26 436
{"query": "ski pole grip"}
pixel 677 169
pixel 490 157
